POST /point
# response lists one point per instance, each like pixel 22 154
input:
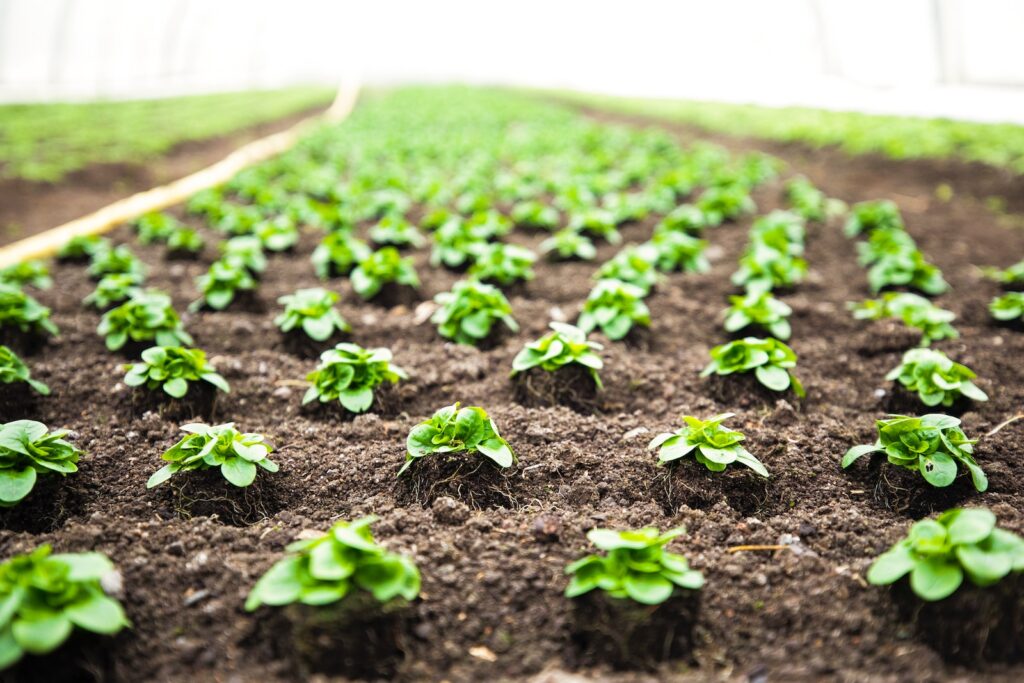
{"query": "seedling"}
pixel 172 368
pixel 634 265
pixel 219 285
pixel 28 449
pixel 455 430
pixel 763 269
pixel 396 231
pixel 931 444
pixel 782 231
pixel 915 311
pixel 712 445
pixel 635 566
pixel 761 309
pixel 237 454
pixel 490 224
pixel 185 240
pixel 503 263
pixel 468 313
pixel 534 214
pixel 614 307
pixel 18 309
pixel 147 317
pixel 1014 275
pixel 936 379
pixel 245 251
pixel 113 289
pixel 625 207
pixel 906 268
pixel 382 267
pixel 567 244
pixel 874 215
pixel 771 360
pixel 323 570
pixel 278 234
pixel 311 310
pixel 82 247
pixel 677 250
pixel 725 203
pixel 596 222
pixel 685 218
pixel 1009 306
pixel 238 220
pixel 338 254
pixel 155 227
pixel 810 202
pixel 348 373
pixel 564 345
pixel 120 259
pixel 884 243
pixel 939 553
pixel 13 369
pixel 456 243
pixel 47 596
pixel 27 273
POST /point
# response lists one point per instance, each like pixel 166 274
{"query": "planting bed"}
pixel 492 545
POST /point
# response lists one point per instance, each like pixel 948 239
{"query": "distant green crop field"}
pixel 46 141
pixel 899 137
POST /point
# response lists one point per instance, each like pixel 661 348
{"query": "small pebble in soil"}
pixel 447 510
pixel 547 528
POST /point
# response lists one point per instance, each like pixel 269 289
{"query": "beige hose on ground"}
pixel 47 243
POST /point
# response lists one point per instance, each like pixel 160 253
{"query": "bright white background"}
pixel 962 58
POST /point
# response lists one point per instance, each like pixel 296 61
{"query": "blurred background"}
pixel 956 58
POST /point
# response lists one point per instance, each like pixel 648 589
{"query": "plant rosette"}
pixel 458 430
pixel 564 345
pixel 146 317
pixel 614 307
pixel 20 311
pixel 1008 307
pixel 349 374
pixel 467 314
pixel 936 379
pixel 382 267
pixel 771 361
pixel 760 309
pixel 13 370
pixel 311 311
pixel 29 449
pixel 171 368
pixel 236 454
pixel 46 596
pixel 711 444
pixel 933 445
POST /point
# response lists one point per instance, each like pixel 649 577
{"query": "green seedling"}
pixel 913 310
pixel 467 314
pixel 936 379
pixel 171 368
pixel 33 273
pixel 221 283
pixel 568 244
pixel 874 215
pixel 564 345
pixel 13 369
pixel 635 265
pixel 396 231
pixel 349 374
pixel 456 430
pixel 1009 306
pixel 771 360
pixel 338 254
pixel 761 309
pixel 146 317
pixel 237 454
pixel 27 450
pixel 21 311
pixel 382 267
pixel 711 444
pixel 312 311
pixel 614 307
pixel 503 264
pixel 113 289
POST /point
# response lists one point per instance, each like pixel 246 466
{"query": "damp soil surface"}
pixel 492 546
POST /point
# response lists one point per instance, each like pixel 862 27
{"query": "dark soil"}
pixel 492 605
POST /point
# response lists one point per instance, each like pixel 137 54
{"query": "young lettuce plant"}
pixel 338 254
pixel 568 244
pixel 236 454
pixel 348 373
pixel 725 203
pixel 172 368
pixel 33 273
pixel 685 218
pixel 245 251
pixel 868 216
pixel 712 445
pixel 535 214
pixel 468 313
pixel 45 597
pixel 635 265
pixel 21 311
pixel 564 345
pixel 456 243
pixel 504 264
pixel 1009 306
pixel 384 266
pixel 931 444
pixel 679 251
pixel 761 309
pixel 323 570
pixel 915 311
pixel 455 430
pixel 907 268
pixel 185 240
pixel 13 369
pixel 635 565
pixel 221 283
pixel 763 269
pixel 396 231
pixel 28 449
pixel 279 234
pixel 120 259
pixel 1014 275
pixel 771 360
pixel 146 317
pixel 113 289
pixel 155 226
pixel 938 554
pixel 82 247
pixel 597 222
pixel 936 379
pixel 311 310
pixel 810 202
pixel 614 307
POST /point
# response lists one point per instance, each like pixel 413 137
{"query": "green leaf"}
pixel 281 585
pixel 857 452
pixel 982 566
pixel 160 476
pixel 319 329
pixel 972 525
pixel 648 589
pixel 328 563
pixel 773 377
pixel 99 614
pixel 498 451
pixel 176 387
pixel 238 471
pixel 10 651
pixel 935 578
pixel 891 565
pixel 16 484
pixel 938 469
pixel 356 400
pixel 85 566
pixel 42 635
